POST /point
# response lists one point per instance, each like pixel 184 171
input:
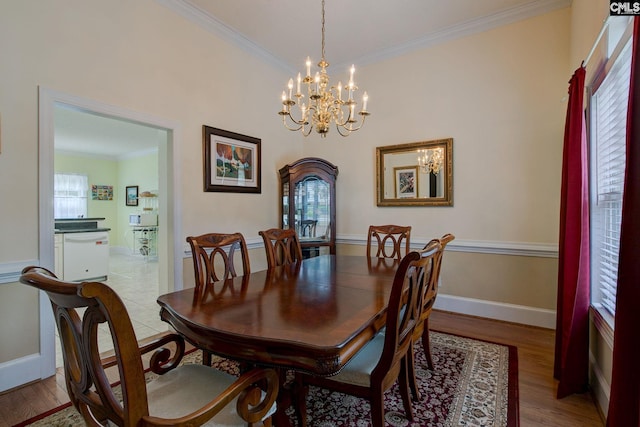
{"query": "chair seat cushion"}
pixel 358 370
pixel 188 388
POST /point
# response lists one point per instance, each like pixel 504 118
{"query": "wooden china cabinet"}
pixel 308 204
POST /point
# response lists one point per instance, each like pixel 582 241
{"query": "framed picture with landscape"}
pixel 231 161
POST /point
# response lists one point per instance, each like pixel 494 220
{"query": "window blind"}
pixel 608 145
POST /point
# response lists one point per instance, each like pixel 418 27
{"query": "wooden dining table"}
pixel 311 316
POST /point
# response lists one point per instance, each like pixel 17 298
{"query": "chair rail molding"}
pixel 10 271
pixel 544 250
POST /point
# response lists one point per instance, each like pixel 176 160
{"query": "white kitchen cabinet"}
pixel 86 256
pixel 58 256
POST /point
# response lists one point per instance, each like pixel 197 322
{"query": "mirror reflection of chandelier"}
pixel 430 160
pixel 325 103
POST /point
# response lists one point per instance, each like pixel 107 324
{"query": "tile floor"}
pixel 135 279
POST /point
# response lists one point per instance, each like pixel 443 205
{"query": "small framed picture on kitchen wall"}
pixel 132 195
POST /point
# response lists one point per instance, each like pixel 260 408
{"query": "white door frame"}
pixel 170 218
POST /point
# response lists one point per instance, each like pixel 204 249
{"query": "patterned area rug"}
pixel 474 383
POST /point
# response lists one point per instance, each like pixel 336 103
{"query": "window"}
pixel 70 195
pixel 608 119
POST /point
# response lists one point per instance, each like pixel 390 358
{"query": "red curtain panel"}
pixel 624 401
pixel 572 327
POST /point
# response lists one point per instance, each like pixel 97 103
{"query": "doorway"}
pixel 169 250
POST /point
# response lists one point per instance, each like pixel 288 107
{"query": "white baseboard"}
pixel 20 371
pixel 497 310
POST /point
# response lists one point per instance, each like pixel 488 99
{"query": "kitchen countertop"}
pixel 78 225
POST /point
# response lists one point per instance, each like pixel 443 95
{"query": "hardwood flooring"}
pixel 537 388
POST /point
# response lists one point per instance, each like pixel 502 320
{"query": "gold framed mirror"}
pixel 415 174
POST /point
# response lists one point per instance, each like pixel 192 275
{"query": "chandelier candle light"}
pixel 430 161
pixel 325 102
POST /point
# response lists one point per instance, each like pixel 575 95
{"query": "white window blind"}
pixel 607 152
pixel 70 195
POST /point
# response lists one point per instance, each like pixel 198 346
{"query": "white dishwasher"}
pixel 86 255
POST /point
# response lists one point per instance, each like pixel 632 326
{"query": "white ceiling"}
pixel 84 133
pixel 285 32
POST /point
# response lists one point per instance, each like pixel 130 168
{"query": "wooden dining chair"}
pixel 282 246
pixel 385 359
pixel 214 257
pixel 214 260
pixel 429 294
pixel 382 237
pixel 429 298
pixel 191 394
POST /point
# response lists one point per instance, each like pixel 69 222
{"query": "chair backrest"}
pixel 380 236
pixel 282 246
pixel 431 291
pixel 214 257
pixel 404 309
pixel 87 383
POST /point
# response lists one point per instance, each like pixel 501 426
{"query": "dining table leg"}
pixel 284 401
pixel 300 400
pixel 291 394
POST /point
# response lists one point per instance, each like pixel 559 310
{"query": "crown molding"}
pixel 474 26
pixel 220 29
pixel 508 16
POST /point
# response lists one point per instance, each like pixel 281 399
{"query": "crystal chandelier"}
pixel 325 103
pixel 430 161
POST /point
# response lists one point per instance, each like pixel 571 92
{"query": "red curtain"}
pixel 624 401
pixel 572 316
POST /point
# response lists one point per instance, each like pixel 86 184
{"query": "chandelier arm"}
pixel 308 131
pixel 340 132
pixel 284 122
pixel 351 128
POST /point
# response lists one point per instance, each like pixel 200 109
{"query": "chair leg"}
pixel 404 381
pixel 426 344
pixel 206 358
pixel 377 408
pixel 411 373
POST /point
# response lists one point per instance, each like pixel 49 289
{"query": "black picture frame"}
pixel 232 161
pixel 131 195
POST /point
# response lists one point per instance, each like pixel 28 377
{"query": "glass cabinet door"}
pixel 313 204
pixel 285 205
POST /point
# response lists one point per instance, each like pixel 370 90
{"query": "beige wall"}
pixel 15 303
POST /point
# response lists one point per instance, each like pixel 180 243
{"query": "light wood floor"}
pixel 538 405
